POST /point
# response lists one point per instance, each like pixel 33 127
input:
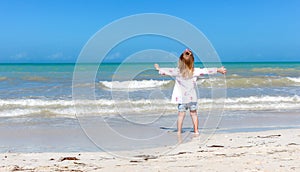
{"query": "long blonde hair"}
pixel 186 66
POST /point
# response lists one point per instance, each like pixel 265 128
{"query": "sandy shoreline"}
pixel 56 134
pixel 273 150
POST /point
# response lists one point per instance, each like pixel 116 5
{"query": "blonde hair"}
pixel 186 66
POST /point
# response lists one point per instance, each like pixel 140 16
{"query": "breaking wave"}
pixel 233 81
pixel 134 84
pixel 66 108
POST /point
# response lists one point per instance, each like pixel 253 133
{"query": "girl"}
pixel 184 92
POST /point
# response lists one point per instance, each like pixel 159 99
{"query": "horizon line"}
pixel 145 62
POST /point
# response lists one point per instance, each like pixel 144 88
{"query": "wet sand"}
pixel 32 134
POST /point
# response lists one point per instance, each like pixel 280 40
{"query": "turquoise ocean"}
pixel 34 94
pixel 46 89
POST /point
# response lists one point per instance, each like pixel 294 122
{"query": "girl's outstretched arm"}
pixel 166 71
pixel 156 66
pixel 222 70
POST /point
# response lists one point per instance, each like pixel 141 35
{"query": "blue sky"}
pixel 56 30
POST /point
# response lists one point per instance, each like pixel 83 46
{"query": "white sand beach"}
pixel 272 150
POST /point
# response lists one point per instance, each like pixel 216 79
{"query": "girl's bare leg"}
pixel 181 116
pixel 194 117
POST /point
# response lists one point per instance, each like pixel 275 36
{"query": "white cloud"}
pixel 113 56
pixel 57 55
pixel 19 55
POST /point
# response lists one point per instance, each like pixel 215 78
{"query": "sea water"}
pixel 46 89
pixel 34 95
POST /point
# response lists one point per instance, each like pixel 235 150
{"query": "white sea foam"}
pixel 69 108
pixel 294 79
pixel 17 112
pixel 134 84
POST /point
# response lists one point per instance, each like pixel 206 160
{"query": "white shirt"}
pixel 185 88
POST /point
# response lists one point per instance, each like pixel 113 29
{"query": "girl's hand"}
pixel 222 70
pixel 156 66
